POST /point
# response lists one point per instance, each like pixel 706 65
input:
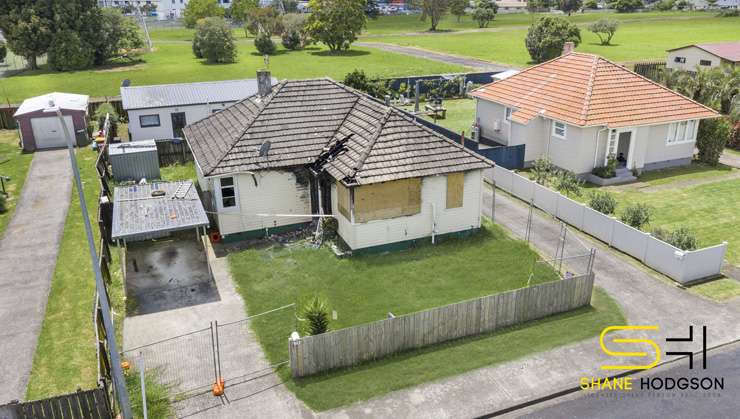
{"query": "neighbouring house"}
pixel 40 130
pixel 690 57
pixel 272 161
pixel 580 109
pixel 162 111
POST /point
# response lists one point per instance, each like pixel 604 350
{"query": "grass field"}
pixel 634 40
pixel 13 164
pixel 363 289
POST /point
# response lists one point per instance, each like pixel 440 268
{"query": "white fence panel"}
pixel 598 225
pixel 629 240
pixel 522 187
pixel 570 211
pixel 503 178
pixel 703 263
pixel 546 199
pixel 661 256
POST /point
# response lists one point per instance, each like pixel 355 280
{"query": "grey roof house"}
pixel 274 159
pixel 161 111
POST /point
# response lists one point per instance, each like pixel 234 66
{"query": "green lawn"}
pixel 13 164
pixel 174 62
pixel 460 114
pixel 633 41
pixel 365 288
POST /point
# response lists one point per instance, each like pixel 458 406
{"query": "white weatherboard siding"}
pixel 193 113
pixel 488 114
pixel 657 150
pixel 693 56
pixel 277 192
pixel 433 193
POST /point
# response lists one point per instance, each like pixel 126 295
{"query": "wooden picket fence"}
pixel 372 341
pixel 173 152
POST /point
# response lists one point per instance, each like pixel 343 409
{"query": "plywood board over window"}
pixel 343 201
pixel 387 200
pixel 455 189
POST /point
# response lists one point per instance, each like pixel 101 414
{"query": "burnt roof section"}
pixel 303 119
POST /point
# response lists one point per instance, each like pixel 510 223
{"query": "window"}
pixel 228 192
pixel 681 60
pixel 508 114
pixel 558 129
pixel 146 121
pixel 705 62
pixel 455 189
pixel 681 132
pixel 378 201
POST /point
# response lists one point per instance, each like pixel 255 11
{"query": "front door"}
pixel 178 123
pixel 619 146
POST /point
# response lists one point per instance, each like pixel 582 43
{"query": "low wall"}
pixel 682 266
pixel 372 341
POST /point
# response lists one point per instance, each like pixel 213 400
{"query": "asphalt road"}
pixel 721 363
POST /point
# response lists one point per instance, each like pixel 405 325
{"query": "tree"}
pixel 664 5
pixel 28 28
pixel 683 4
pixel 119 35
pixel 200 9
pixel 263 19
pixel 484 12
pixel 263 43
pixel 434 10
pixel 214 41
pixel 546 37
pixel 240 9
pixel 68 52
pixel 294 34
pixel 314 317
pixel 569 6
pixel 3 51
pixel 604 29
pixel 711 139
pixel 336 23
pixel 371 9
pixel 591 4
pixel 626 6
pixel 457 8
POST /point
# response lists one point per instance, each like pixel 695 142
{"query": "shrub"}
pixel 196 10
pixel 68 52
pixel 294 34
pixel 608 171
pixel 542 170
pixel 602 202
pixel 566 181
pixel 484 12
pixel 711 138
pixel 591 4
pixel 626 6
pixel 546 37
pixel 636 215
pixel 107 108
pixel 264 44
pixel 263 19
pixel 664 5
pixel 3 51
pixel 682 237
pixel 604 29
pixel 336 23
pixel 214 41
pixel 314 317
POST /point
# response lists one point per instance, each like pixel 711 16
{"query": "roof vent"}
pixel 265 148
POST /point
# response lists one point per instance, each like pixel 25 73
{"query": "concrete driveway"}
pixel 28 255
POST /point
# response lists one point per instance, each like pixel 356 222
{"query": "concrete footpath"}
pixel 645 300
pixel 28 255
pixel 476 63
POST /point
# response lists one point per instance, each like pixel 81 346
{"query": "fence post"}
pixel 143 384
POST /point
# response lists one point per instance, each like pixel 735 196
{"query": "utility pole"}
pixel 115 359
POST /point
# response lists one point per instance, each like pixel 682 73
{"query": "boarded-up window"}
pixel 343 202
pixel 455 189
pixel 387 200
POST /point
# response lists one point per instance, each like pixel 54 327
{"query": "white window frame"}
pixel 154 115
pixel 507 114
pixel 220 198
pixel 555 129
pixel 688 128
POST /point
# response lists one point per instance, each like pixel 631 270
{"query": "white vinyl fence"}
pixel 682 266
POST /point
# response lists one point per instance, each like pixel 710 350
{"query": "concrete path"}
pixel 644 299
pixel 252 388
pixel 437 56
pixel 730 159
pixel 28 255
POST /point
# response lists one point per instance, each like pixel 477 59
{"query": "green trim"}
pixel 409 244
pixel 261 233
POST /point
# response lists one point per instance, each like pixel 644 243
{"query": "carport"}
pixel 160 230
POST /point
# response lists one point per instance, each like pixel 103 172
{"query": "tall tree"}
pixel 604 29
pixel 240 9
pixel 485 12
pixel 200 9
pixel 569 6
pixel 28 27
pixel 336 23
pixel 457 8
pixel 434 10
pixel 546 37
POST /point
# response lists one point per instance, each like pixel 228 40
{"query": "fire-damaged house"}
pixel 305 147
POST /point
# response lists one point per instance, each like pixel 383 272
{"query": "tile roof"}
pixel 308 120
pixel 180 94
pixel 588 90
pixel 729 51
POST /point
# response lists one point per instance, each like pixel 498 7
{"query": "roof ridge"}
pixel 365 153
pixel 589 89
pixel 528 69
pixel 266 102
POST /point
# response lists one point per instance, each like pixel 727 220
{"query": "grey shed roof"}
pixel 132 147
pixel 181 94
pixel 305 119
pixel 137 213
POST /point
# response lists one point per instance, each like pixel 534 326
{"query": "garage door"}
pixel 48 133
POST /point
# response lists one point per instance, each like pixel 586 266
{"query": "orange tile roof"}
pixel 588 90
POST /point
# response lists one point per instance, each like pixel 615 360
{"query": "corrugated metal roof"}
pixel 136 212
pixel 132 147
pixel 62 100
pixel 180 94
pixel 729 51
